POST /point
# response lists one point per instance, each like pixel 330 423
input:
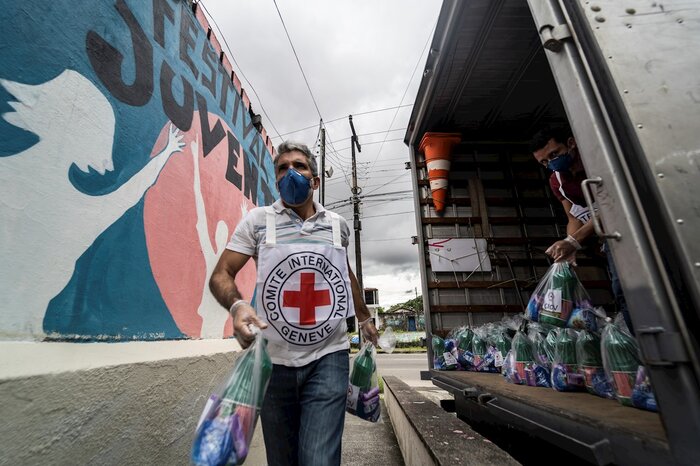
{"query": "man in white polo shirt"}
pixel 304 292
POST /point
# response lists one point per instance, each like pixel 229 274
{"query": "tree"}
pixel 415 304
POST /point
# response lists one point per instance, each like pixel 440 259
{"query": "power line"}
pixel 370 143
pixel 330 149
pixel 345 116
pixel 230 53
pixel 297 57
pixel 388 182
pixel 389 215
pixel 369 134
pixel 388 239
pixel 363 197
pixel 427 41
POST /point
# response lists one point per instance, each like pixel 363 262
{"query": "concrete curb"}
pixel 429 435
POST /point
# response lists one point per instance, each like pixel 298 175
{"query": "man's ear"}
pixel 316 182
pixel 571 143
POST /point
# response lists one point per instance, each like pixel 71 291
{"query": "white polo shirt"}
pixel 251 234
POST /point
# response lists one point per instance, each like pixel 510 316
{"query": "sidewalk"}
pixel 364 443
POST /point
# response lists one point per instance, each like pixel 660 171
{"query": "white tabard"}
pixel 303 292
pixel 582 213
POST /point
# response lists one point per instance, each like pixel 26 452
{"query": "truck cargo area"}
pixel 572 426
pixel 490 83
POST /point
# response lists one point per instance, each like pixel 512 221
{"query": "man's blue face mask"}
pixel 561 163
pixel 294 187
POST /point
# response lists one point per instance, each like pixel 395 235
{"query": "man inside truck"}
pixel 556 150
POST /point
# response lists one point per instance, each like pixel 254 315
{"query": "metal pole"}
pixel 322 197
pixel 356 214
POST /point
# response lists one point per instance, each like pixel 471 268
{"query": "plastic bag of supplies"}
pixel 590 364
pixel 226 427
pixel 565 374
pixel 363 389
pixel 561 300
pixel 621 362
pixel 443 358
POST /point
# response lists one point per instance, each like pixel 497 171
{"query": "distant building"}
pixel 402 319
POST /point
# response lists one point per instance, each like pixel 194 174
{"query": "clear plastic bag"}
pixel 521 355
pixel 363 388
pixel 520 366
pixel 508 369
pixel 542 344
pixel 565 374
pixel 226 426
pixel 484 354
pixel 620 359
pixel 642 394
pixel 503 345
pixel 560 296
pixel 388 340
pixel 464 338
pixel 590 364
pixel 443 360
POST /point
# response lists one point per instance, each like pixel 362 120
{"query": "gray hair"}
pixel 289 146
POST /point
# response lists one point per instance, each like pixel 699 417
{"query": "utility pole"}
pixel 356 214
pixel 322 196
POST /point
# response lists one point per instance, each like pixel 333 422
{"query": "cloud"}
pixel 357 56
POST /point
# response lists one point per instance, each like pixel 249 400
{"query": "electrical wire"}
pixel 386 239
pixel 297 58
pixel 388 182
pixel 388 215
pixel 427 41
pixel 345 116
pixel 370 134
pixel 233 58
pixel 370 143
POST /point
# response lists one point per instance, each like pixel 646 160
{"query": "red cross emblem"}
pixel 307 299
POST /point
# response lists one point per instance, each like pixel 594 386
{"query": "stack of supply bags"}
pixel 226 426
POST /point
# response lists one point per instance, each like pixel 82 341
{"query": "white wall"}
pixel 108 403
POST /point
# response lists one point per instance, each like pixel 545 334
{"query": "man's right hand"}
pixel 244 316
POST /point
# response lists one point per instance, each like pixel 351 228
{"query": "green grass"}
pixel 409 349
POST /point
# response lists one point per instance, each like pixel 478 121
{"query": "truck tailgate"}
pixel 595 429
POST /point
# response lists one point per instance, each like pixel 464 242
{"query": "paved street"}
pixel 406 367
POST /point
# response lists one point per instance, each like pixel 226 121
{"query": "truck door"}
pixel 629 77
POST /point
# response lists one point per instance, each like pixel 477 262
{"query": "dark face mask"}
pixel 561 163
pixel 294 188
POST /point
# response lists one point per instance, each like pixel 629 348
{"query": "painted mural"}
pixel 128 155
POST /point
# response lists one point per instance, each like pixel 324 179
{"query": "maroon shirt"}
pixel 571 185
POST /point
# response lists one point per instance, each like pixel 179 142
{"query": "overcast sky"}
pixel 357 56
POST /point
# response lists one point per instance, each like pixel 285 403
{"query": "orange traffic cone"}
pixel 437 148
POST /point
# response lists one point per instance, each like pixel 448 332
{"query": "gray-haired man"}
pixel 305 290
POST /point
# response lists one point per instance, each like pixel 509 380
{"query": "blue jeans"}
pixel 619 296
pixel 303 413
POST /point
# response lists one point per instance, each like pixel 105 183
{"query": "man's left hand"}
pixel 369 332
pixel 562 251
